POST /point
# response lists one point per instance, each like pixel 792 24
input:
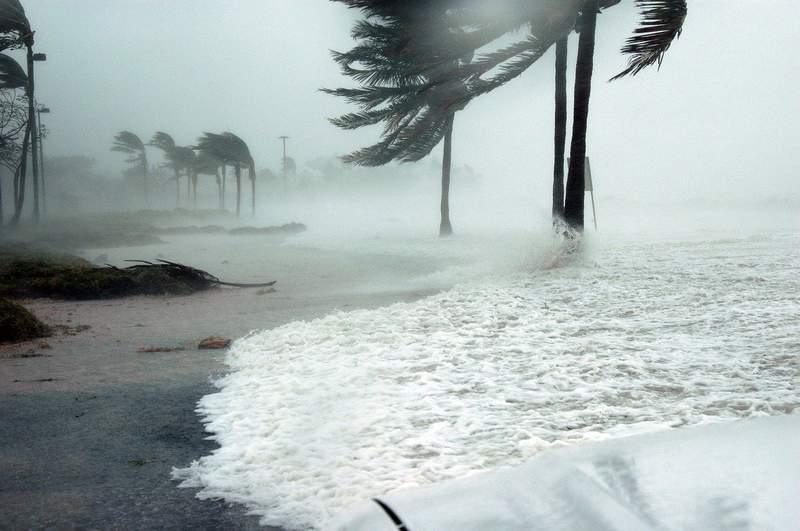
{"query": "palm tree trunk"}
pixel 146 183
pixel 224 182
pixel 560 128
pixel 188 184
pixel 219 189
pixel 194 189
pixel 34 133
pixel 252 173
pixel 20 177
pixel 177 188
pixel 445 228
pixel 574 204
pixel 238 190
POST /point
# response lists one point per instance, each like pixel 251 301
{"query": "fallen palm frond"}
pixel 190 275
pixel 35 276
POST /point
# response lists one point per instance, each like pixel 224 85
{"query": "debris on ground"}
pixel 214 343
pixel 153 350
pixel 41 275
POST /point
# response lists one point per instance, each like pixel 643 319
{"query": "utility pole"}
pixel 284 138
pixel 40 110
pixel 32 58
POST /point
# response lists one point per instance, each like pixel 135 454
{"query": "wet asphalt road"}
pixel 102 460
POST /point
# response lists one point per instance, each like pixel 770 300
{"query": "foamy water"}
pixel 631 337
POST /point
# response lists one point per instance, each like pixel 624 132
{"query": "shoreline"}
pixel 92 428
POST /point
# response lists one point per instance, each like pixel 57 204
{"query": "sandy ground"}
pixel 90 428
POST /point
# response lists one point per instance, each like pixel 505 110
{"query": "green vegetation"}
pixel 30 273
pixel 18 324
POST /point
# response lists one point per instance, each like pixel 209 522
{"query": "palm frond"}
pixel 162 141
pixel 661 23
pixel 127 142
pixel 226 147
pixel 130 144
pixel 12 76
pixel 15 29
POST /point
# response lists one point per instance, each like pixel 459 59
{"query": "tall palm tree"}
pixel 393 90
pixel 576 190
pixel 16 32
pixel 231 150
pixel 183 159
pixel 130 144
pixel 421 119
pixel 13 77
pixel 165 143
pixel 560 129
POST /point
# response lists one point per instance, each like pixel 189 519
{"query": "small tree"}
pixel 130 144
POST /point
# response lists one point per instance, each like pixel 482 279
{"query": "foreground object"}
pixel 741 475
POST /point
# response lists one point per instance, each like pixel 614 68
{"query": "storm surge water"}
pixel 632 336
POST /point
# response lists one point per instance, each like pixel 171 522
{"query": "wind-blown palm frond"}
pixel 162 141
pixel 661 23
pixel 15 29
pixel 130 144
pixel 12 76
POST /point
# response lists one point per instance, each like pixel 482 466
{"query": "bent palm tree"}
pixel 13 77
pixel 15 32
pixel 165 143
pixel 428 88
pixel 394 85
pixel 231 150
pixel 184 159
pixel 130 144
pixel 206 164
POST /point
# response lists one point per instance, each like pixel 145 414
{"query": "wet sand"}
pixel 90 428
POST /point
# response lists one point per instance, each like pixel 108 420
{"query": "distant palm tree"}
pixel 184 160
pixel 165 143
pixel 206 164
pixel 130 144
pixel 231 150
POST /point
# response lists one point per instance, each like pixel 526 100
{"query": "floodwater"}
pixel 531 349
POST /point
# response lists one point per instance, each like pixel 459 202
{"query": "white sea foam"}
pixel 318 415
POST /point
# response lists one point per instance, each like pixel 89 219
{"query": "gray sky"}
pixel 718 118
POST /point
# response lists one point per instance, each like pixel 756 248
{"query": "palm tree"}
pixel 13 77
pixel 393 90
pixel 183 159
pixel 16 32
pixel 560 130
pixel 165 143
pixel 130 144
pixel 231 150
pixel 206 164
pixel 417 107
pixel 576 190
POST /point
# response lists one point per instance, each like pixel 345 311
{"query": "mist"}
pixel 714 128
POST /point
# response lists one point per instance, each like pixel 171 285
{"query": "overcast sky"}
pixel 718 118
